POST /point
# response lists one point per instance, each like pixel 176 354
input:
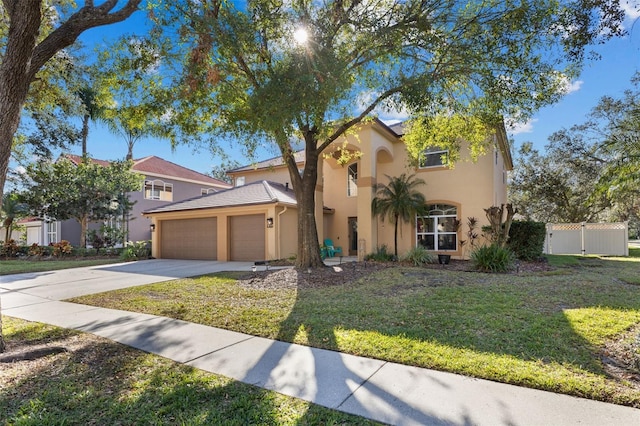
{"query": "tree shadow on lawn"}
pixel 439 314
pixel 108 383
pixel 408 315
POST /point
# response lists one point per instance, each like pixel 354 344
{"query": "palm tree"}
pixel 398 200
pixel 92 111
pixel 12 208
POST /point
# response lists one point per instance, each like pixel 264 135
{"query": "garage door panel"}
pixel 189 239
pixel 247 237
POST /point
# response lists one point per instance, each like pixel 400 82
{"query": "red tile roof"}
pixel 77 159
pixel 153 165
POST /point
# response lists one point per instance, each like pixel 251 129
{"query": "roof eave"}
pixel 503 145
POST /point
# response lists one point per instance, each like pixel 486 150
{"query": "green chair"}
pixel 331 249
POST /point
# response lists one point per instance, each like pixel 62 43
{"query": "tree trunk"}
pixel 85 133
pixel 22 59
pixel 15 77
pixel 84 221
pixel 8 224
pixel 305 188
pixel 395 237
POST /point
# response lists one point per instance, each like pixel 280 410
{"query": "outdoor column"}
pixel 223 237
pixel 367 229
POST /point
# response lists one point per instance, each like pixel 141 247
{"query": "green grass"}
pixel 542 330
pixel 101 382
pixel 23 266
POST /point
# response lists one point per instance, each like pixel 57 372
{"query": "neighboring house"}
pixel 164 183
pixel 257 219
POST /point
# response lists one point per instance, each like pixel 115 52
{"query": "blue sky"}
pixel 609 76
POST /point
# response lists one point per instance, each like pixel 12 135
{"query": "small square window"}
pixel 433 157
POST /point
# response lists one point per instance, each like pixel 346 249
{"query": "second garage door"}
pixel 189 239
pixel 246 235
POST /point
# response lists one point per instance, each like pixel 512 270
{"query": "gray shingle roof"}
pixel 262 192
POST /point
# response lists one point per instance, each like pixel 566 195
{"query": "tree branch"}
pixel 67 33
pixel 348 124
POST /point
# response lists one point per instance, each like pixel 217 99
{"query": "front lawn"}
pixel 547 330
pixel 96 381
pixel 18 266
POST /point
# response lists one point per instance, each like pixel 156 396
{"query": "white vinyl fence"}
pixel 587 238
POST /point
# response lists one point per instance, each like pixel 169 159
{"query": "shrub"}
pixel 493 258
pixel 418 256
pixel 526 239
pixel 10 249
pixel 61 248
pixel 96 240
pixel 35 250
pixel 381 255
pixel 136 251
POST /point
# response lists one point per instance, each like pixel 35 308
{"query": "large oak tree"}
pixel 274 72
pixel 30 38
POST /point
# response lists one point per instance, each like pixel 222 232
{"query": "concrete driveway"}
pixel 26 289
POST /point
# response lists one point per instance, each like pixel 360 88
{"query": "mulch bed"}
pixel 350 271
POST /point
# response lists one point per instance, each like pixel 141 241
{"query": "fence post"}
pixel 626 237
pixel 582 231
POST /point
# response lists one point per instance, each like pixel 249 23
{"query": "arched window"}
pixel 352 180
pixel 158 190
pixel 439 229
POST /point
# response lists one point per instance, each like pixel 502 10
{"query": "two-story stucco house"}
pixel 164 183
pixel 257 219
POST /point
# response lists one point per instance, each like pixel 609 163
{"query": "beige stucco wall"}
pixel 222 215
pixel 287 230
pixel 274 174
pixel 470 186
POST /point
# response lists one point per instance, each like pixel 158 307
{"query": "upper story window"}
pixel 352 180
pixel 158 190
pixel 207 191
pixel 240 181
pixel 438 230
pixel 433 157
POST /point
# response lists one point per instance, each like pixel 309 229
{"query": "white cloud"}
pixel 20 170
pixel 393 114
pixel 631 9
pixel 386 111
pixel 515 128
pixel 574 86
pixel 564 85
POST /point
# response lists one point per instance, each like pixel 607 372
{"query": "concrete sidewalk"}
pixel 379 390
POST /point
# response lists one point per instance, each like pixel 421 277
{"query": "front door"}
pixel 353 236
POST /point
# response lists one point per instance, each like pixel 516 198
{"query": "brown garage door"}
pixel 247 237
pixel 189 239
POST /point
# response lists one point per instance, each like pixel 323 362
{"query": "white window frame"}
pixel 51 231
pixel 239 181
pixel 207 191
pixel 433 226
pixel 426 158
pixel 158 190
pixel 352 180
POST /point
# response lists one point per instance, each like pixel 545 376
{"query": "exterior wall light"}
pixel 152 227
pixel 269 222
